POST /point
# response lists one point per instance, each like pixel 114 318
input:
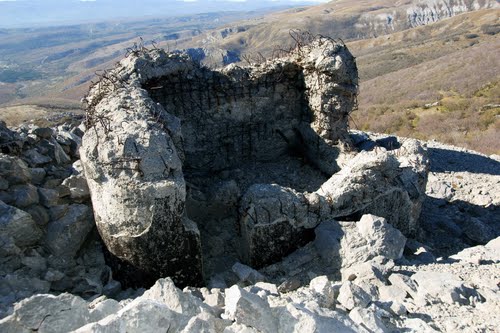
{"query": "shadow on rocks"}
pixel 451 226
pixel 443 160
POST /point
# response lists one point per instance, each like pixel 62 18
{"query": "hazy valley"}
pixel 427 70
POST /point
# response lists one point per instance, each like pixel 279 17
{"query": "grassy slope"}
pixel 453 63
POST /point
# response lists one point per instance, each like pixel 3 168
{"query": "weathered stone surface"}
pixel 48 197
pixel 351 296
pixel 387 240
pixel 477 254
pixel 249 309
pixel 388 184
pixel 368 318
pixel 47 313
pixel 247 274
pixel 440 287
pixel 322 286
pixel 139 316
pixel 19 225
pixel 24 195
pixel 164 291
pixel 14 170
pixel 298 319
pixel 78 187
pixel 346 244
pixel 66 235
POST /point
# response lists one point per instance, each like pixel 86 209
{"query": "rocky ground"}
pixel 54 277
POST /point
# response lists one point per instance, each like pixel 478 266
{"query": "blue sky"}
pixel 23 13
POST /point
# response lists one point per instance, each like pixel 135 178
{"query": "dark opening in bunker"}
pixel 237 131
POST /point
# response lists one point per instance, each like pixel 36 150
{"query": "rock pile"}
pixel 46 221
pixel 373 294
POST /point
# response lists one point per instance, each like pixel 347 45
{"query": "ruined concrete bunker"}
pixel 175 153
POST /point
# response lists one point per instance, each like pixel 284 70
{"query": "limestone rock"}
pixel 66 235
pixel 322 286
pixel 351 296
pixel 381 183
pixel 298 319
pixel 387 240
pixel 440 287
pixel 78 187
pixel 138 190
pixel 249 309
pixel 47 313
pixel 139 316
pixel 164 291
pixel 14 170
pixel 477 254
pixel 247 274
pixel 19 225
pixel 369 319
pixel 24 195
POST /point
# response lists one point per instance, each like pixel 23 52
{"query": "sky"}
pixel 26 13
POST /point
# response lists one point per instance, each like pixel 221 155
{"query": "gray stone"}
pixel 249 309
pixel 22 286
pixel 351 296
pixel 19 225
pixel 78 188
pixel 215 298
pixel 39 215
pixel 165 292
pixel 480 253
pixel 4 184
pixel 35 159
pixel 247 274
pixel 53 275
pixel 55 151
pixel 44 132
pixel 438 287
pixel 381 183
pixel 37 175
pixel 58 212
pixel 112 288
pixel 36 263
pixel 369 319
pixel 323 287
pixel 139 316
pixel 297 318
pixel 289 285
pixel 205 323
pixel 103 307
pixel 66 235
pixel 404 282
pixel 14 170
pixel 48 197
pixel 24 195
pixel 382 236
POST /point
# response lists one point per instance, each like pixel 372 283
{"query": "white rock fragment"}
pixel 249 309
pixel 368 318
pixel 350 296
